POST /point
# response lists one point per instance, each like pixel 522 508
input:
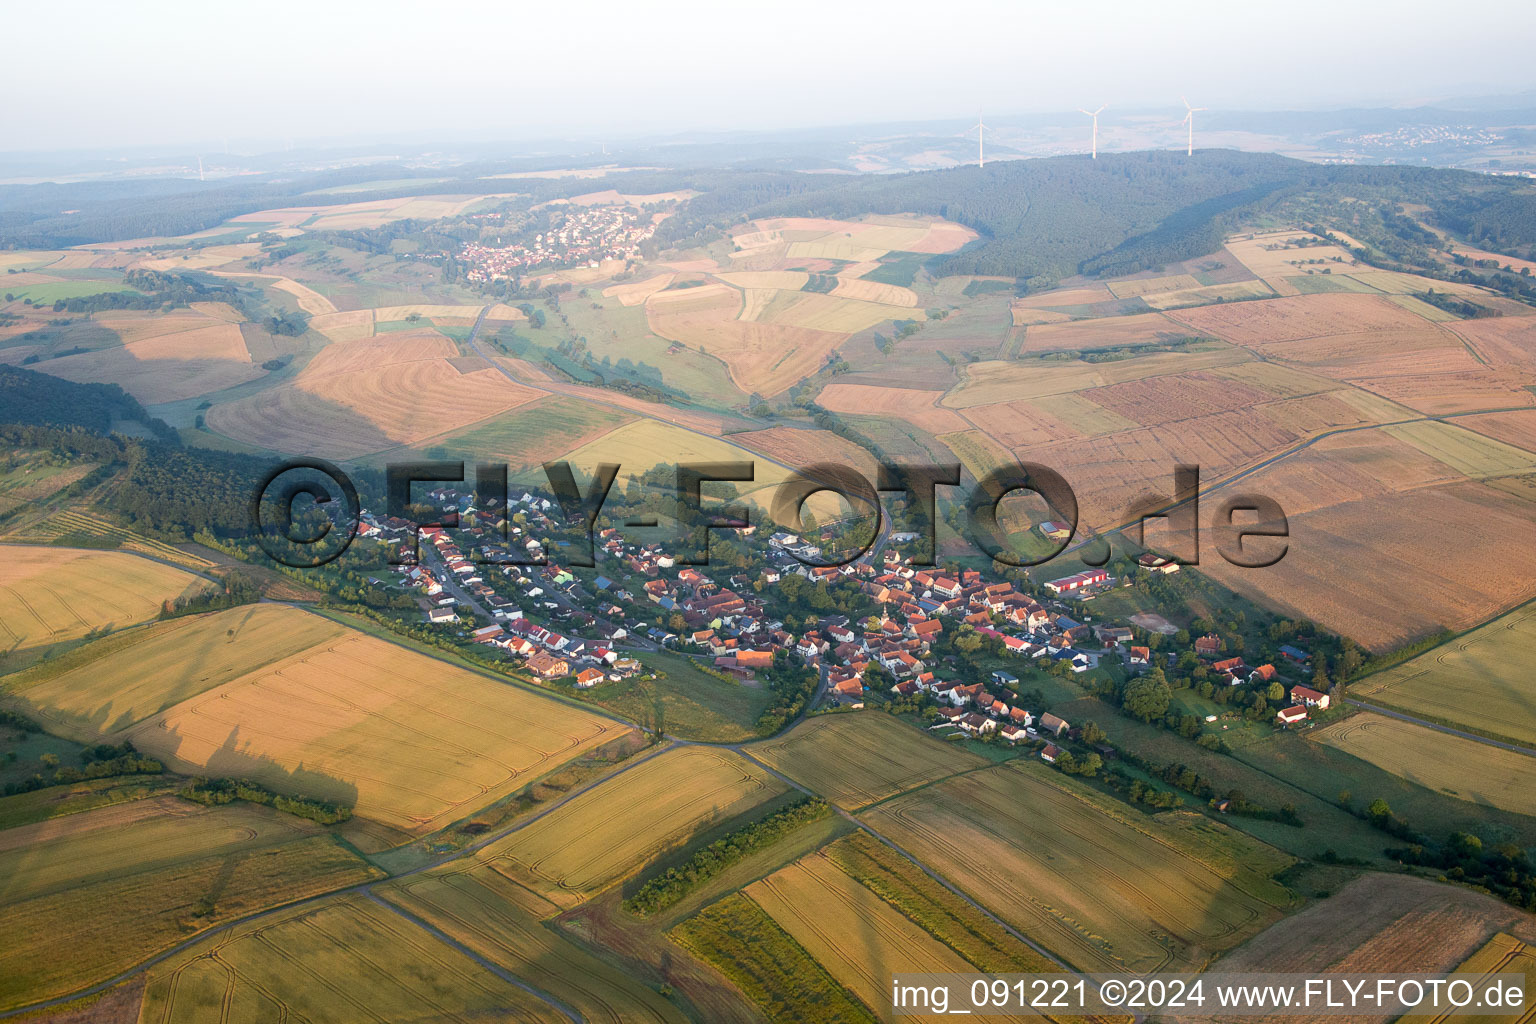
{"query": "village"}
pixel 563 629
pixel 584 236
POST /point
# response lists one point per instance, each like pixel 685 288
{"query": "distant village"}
pixel 603 633
pixel 584 236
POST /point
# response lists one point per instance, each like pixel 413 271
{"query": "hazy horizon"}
pixel 351 73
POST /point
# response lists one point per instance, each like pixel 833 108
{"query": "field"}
pixel 684 701
pixel 344 959
pixel 402 738
pixel 855 935
pixel 1007 381
pixel 768 965
pixel 166 368
pixel 858 759
pixel 1480 681
pixel 49 595
pixel 1468 453
pixel 763 357
pixel 1460 768
pixel 602 837
pixel 89 894
pixel 1110 332
pixel 919 408
pixel 1503 953
pixel 33 481
pixel 1104 887
pixel 503 921
pixel 541 431
pixel 115 683
pixel 357 397
pixel 1401 583
pixel 1381 923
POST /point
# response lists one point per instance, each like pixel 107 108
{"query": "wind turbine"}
pixel 199 168
pixel 1095 115
pixel 1189 119
pixel 981 130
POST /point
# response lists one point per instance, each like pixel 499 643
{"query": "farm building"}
pixel 1052 530
pixel 1077 581
pixel 1291 715
pixel 1053 725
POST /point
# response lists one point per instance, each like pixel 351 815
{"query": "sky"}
pixel 100 74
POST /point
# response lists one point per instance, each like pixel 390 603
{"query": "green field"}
pixel 858 759
pixel 1480 681
pixel 685 701
pixel 527 436
pixel 1312 284
pixel 774 970
pixel 48 293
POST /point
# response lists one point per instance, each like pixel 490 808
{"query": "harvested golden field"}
pixel 824 238
pixel 858 759
pixel 1065 297
pixel 1457 767
pixel 761 357
pixel 49 595
pixel 1349 467
pixel 1380 923
pixel 353 325
pixel 503 921
pixel 360 396
pixel 1130 289
pixel 1025 316
pixel 425 311
pixel 1470 454
pixel 1379 569
pixel 1515 428
pixel 874 291
pixel 402 738
pixel 1110 472
pixel 203 259
pixel 801 448
pixel 1237 290
pixel 343 959
pixel 1108 332
pixel 858 937
pixel 782 280
pixel 584 846
pixel 1503 954
pixel 1103 886
pixel 167 368
pixel 920 408
pixel 634 293
pixel 993 381
pixel 1277 380
pixel 219 311
pixel 118 682
pixel 1174 398
pixel 1443 391
pixel 820 312
pixel 1480 680
pixel 1021 424
pixel 1508 341
pixel 1273 256
pixel 1274 321
pixel 86 895
pixel 1311 415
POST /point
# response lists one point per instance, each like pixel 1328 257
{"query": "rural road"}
pixel 1378 709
